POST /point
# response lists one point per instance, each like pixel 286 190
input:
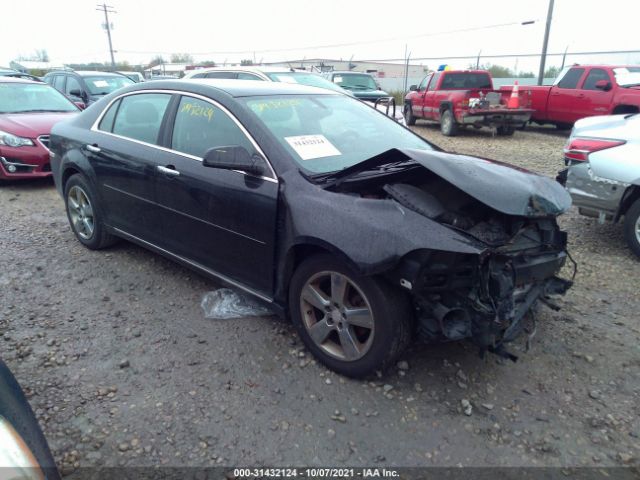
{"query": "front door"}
pixel 595 101
pixel 223 220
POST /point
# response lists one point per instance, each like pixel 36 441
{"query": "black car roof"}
pixel 238 88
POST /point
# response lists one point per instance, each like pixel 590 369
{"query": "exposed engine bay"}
pixel 486 297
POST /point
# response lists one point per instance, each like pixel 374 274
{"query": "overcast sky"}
pixel 219 30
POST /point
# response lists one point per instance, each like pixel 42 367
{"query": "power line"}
pixel 346 44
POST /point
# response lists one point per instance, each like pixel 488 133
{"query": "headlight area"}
pixel 485 297
pixel 16 459
pixel 11 140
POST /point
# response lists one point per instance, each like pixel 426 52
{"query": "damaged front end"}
pixel 486 297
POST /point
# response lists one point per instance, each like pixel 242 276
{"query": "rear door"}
pixel 594 101
pixel 125 154
pixel 564 97
pixel 222 220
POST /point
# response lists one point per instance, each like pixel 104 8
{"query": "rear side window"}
pixel 200 125
pixel 595 75
pixel 222 75
pixel 571 79
pixel 247 76
pixel 139 116
pixel 106 124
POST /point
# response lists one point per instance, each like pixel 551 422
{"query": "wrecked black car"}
pixel 364 234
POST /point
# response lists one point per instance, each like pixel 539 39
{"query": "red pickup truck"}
pixel 464 97
pixel 584 91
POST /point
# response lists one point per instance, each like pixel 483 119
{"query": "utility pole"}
pixel 107 9
pixel 545 42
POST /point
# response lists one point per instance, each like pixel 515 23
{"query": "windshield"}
pixel 355 81
pixel 327 133
pixel 303 78
pixel 32 97
pixel 103 85
pixel 627 76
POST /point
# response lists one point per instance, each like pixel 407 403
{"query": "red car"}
pixel 28 110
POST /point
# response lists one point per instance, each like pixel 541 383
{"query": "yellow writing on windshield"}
pixel 273 104
pixel 196 110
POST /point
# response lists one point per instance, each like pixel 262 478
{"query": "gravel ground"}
pixel 122 368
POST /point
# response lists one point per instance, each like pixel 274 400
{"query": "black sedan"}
pixel 364 234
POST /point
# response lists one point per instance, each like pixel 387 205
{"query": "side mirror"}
pixel 233 157
pixel 413 88
pixel 603 85
pixel 75 93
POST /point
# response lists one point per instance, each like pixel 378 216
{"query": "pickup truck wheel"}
pixel 564 126
pixel 448 125
pixel 353 324
pixel 632 227
pixel 408 115
pixel 506 130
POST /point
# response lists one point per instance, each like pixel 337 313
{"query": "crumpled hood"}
pixel 31 125
pixel 503 187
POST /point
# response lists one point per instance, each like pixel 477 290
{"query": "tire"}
pixel 408 114
pixel 84 213
pixel 632 227
pixel 384 324
pixel 564 126
pixel 448 125
pixel 506 130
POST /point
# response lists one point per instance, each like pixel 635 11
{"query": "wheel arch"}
pixel 630 196
pixel 298 252
pixel 625 108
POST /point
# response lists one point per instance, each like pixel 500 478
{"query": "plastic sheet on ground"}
pixel 225 303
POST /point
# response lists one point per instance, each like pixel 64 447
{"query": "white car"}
pixel 603 155
pixel 289 75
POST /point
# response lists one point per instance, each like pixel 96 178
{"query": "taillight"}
pixel 578 149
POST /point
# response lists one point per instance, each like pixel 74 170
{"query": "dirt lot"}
pixel 122 368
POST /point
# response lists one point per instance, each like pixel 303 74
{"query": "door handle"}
pixel 581 95
pixel 170 170
pixel 93 148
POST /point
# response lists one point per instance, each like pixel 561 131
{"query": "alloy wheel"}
pixel 80 212
pixel 337 316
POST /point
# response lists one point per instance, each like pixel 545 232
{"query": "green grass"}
pixel 399 96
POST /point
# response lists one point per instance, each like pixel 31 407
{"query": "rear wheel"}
pixel 353 324
pixel 408 115
pixel 448 125
pixel 84 213
pixel 564 126
pixel 632 227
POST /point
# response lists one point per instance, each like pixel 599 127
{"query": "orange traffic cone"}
pixel 514 100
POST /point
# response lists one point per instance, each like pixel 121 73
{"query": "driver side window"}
pixel 424 83
pixel 200 125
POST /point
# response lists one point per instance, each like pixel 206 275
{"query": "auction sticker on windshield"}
pixel 309 147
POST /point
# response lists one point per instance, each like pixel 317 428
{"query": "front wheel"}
pixel 448 125
pixel 632 227
pixel 353 324
pixel 408 115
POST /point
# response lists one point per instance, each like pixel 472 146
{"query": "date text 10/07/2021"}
pixel 330 473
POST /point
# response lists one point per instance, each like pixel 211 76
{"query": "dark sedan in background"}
pixel 28 110
pixel 360 231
